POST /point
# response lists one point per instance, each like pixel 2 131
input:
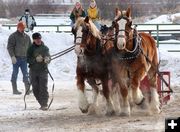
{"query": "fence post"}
pixel 57 28
pixel 157 36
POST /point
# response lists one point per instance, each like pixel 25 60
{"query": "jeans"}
pixel 97 24
pixel 21 63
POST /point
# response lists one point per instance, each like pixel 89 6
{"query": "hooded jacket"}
pixel 93 13
pixel 77 13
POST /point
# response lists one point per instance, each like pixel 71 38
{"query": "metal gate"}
pixel 163 90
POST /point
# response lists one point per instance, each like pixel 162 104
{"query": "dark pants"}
pixel 39 81
pixel 22 64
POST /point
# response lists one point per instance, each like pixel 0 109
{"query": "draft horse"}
pixel 91 64
pixel 135 57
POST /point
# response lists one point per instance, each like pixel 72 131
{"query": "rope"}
pixel 157 70
pixel 61 52
pixel 52 93
pixel 25 106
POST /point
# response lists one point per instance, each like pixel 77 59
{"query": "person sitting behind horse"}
pixel 93 13
pixel 77 11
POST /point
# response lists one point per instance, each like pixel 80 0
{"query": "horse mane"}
pixel 95 32
pixel 79 22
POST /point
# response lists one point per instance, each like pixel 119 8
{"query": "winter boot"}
pixel 14 87
pixel 27 87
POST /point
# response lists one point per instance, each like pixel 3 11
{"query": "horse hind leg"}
pixel 82 100
pixel 154 100
pixel 137 95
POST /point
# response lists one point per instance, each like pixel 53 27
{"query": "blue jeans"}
pixel 21 63
pixel 97 24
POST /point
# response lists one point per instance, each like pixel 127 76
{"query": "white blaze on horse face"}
pixel 121 41
pixel 79 35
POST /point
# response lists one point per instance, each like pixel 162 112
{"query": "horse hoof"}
pixel 123 114
pixel 110 113
pixel 91 110
pixel 84 110
pixel 144 105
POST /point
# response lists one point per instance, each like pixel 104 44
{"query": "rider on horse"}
pixel 93 13
pixel 77 11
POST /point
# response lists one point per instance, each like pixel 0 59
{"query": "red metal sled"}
pixel 163 90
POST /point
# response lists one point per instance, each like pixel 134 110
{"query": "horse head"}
pixel 124 35
pixel 90 36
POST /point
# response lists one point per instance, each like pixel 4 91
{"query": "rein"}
pixel 25 105
pixel 61 53
pixel 156 69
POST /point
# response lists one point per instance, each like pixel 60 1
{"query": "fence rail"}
pixel 159 31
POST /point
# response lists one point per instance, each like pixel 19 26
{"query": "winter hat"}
pixel 78 5
pixel 93 3
pixel 21 25
pixel 26 10
pixel 36 36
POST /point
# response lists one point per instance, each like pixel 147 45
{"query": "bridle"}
pixel 127 32
pixel 135 38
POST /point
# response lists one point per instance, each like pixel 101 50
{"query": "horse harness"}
pixel 130 54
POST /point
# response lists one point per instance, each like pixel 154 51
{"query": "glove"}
pixel 13 59
pixel 39 58
pixel 47 59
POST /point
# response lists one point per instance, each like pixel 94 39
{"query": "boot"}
pixel 14 87
pixel 27 87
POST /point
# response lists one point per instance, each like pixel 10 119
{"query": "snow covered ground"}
pixel 64 114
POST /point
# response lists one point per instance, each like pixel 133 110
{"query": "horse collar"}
pixel 136 49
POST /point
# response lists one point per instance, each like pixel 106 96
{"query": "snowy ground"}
pixel 65 116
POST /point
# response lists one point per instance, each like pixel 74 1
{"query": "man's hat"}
pixel 21 25
pixel 27 10
pixel 36 36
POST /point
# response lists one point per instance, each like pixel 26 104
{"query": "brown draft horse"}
pixel 135 57
pixel 91 65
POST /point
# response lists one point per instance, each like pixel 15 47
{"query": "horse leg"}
pixel 137 95
pixel 124 100
pixel 95 91
pixel 82 101
pixel 154 103
pixel 110 110
pixel 114 95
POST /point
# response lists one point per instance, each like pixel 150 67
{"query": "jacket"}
pixel 93 13
pixel 29 21
pixel 18 44
pixel 77 13
pixel 32 52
